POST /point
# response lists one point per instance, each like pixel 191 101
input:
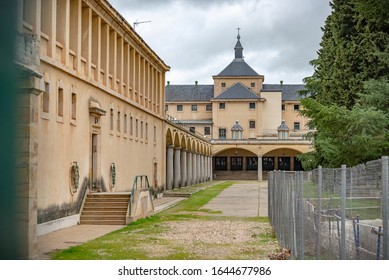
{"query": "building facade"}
pixel 91 111
pixel 253 127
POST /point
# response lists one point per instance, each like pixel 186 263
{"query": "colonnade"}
pixel 186 168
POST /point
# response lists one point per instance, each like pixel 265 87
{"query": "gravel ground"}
pixel 216 240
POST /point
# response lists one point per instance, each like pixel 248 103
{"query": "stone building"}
pixel 253 127
pixel 91 113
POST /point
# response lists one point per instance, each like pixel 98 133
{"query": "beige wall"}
pixel 291 116
pixel 89 54
pixel 230 81
pixel 236 110
pixel 271 114
pixel 187 113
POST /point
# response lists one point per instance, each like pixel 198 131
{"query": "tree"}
pixel 349 102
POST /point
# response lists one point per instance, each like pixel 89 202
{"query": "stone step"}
pixel 99 212
pixel 103 218
pixel 176 194
pixel 103 204
pixel 105 209
pixel 108 199
pixel 99 222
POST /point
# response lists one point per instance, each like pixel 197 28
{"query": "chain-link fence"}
pixel 332 213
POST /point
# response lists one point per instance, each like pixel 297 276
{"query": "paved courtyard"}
pixel 242 199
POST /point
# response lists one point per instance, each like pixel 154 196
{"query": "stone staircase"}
pixel 105 209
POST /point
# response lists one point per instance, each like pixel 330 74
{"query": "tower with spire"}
pixel 238 71
pixel 238 48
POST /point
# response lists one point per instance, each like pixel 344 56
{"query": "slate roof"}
pixel 188 93
pixel 182 93
pixel 238 68
pixel 290 92
pixel 237 91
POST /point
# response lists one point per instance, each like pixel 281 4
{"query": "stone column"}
pixel 203 169
pixel 260 168
pixel 210 169
pixel 194 168
pixel 198 168
pixel 183 169
pixel 169 168
pixel 23 226
pixel 177 168
pixel 189 169
pixel 208 174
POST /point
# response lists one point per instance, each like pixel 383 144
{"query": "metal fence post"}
pixel 300 176
pixel 318 226
pixel 385 206
pixel 343 214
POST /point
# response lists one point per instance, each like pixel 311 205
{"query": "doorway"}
pixel 94 170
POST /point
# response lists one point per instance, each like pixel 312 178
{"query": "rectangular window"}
pixel 236 163
pixel 252 84
pixel 296 126
pixel 136 128
pixel 284 163
pixel 141 129
pixel 220 163
pixel 222 133
pixel 283 107
pixel 251 124
pixel 223 85
pixel 268 163
pixel 251 163
pixel 193 107
pixel 74 106
pixel 179 108
pixel 118 122
pixel 131 126
pixel 155 133
pixel 252 105
pixel 208 107
pixel 46 99
pixel 296 107
pixel 192 129
pixel 125 124
pixel 222 105
pixel 60 102
pixel 147 131
pixel 207 130
pixel 166 108
pixel 111 120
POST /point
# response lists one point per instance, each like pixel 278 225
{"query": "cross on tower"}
pixel 238 33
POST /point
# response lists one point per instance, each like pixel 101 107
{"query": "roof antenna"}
pixel 139 22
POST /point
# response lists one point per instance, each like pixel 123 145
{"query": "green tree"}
pixel 349 102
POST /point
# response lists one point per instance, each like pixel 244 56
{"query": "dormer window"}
pixel 237 131
pixel 283 131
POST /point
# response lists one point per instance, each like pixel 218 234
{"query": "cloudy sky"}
pixel 196 38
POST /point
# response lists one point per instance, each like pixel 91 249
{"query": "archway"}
pixel 235 164
pixel 281 159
